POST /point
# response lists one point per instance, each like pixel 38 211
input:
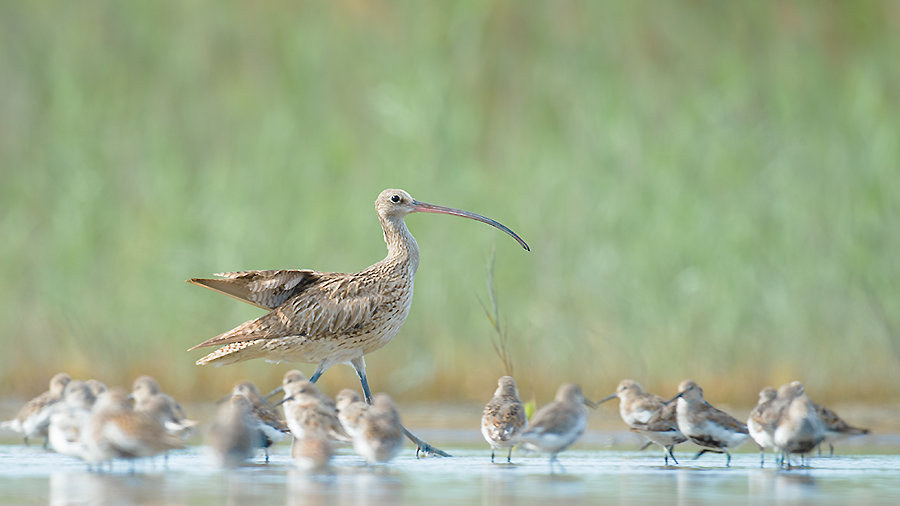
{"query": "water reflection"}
pixel 103 489
pixel 363 486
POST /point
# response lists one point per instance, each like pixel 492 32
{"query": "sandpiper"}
pixel 305 412
pixel 503 417
pixel 635 405
pixel 800 428
pixel 96 387
pixel 150 399
pixel 662 428
pixel 313 451
pixel 763 419
pixel 331 318
pixel 705 425
pixel 33 419
pixel 234 435
pixel 350 406
pixel 296 376
pixel 378 435
pixel 69 419
pixel 637 408
pixel 554 427
pixel 114 431
pixel 836 428
pixel 267 419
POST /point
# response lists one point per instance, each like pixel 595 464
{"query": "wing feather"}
pixel 338 304
pixel 264 289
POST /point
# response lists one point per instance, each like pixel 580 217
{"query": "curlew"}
pixel 329 318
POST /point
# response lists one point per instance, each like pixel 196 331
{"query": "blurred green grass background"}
pixel 711 189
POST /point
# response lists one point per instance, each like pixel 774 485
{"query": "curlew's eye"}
pixel 395 199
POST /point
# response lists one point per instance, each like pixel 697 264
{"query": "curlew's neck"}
pixel 401 245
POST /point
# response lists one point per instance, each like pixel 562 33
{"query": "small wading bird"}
pixel 648 414
pixel 503 417
pixel 554 427
pixel 330 318
pixel 713 429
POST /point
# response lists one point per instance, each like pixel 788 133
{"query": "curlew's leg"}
pixel 422 446
pixel 492 455
pixel 727 462
pixel 318 372
pixel 508 456
pixel 359 365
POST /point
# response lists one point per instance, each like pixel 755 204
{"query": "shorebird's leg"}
pixel 318 372
pixel 422 446
pixel 727 462
pixel 669 451
pixel 645 445
pixel 701 452
pixel 830 450
pixel 492 455
pixel 359 365
pixel 762 458
pixel 508 456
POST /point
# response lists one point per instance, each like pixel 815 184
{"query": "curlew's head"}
pixel 393 205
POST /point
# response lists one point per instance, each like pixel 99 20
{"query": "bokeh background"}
pixel 710 189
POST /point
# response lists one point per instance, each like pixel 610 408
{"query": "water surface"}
pixel 31 475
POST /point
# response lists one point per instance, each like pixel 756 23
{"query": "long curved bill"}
pixel 424 207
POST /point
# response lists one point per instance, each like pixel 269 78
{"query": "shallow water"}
pixel 30 475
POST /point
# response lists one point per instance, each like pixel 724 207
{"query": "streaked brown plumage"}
pixel 330 318
pixel 503 417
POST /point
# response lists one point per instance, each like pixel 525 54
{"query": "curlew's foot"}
pixel 423 447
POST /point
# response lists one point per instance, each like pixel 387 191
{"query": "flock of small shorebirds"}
pixel 86 420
